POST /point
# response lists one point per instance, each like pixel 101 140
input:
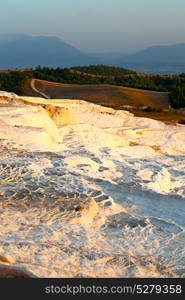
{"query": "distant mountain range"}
pixel 23 51
pixel 157 59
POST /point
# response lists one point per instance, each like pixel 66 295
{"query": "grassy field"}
pixel 112 96
pixel 109 95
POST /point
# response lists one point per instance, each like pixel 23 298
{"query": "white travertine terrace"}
pixel 125 173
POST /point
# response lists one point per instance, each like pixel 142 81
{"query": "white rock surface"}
pixel 127 173
pixel 9 95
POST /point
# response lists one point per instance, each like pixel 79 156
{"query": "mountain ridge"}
pixel 26 51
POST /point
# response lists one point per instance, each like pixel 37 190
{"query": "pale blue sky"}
pixel 98 25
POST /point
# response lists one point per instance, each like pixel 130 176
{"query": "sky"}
pixel 98 25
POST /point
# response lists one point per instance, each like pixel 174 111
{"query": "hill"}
pixel 113 96
pixel 157 59
pixel 102 70
pixel 174 86
pixel 22 51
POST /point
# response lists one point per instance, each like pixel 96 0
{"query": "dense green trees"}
pixel 175 85
pixel 141 82
pixel 104 70
pixel 13 81
pixel 177 93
